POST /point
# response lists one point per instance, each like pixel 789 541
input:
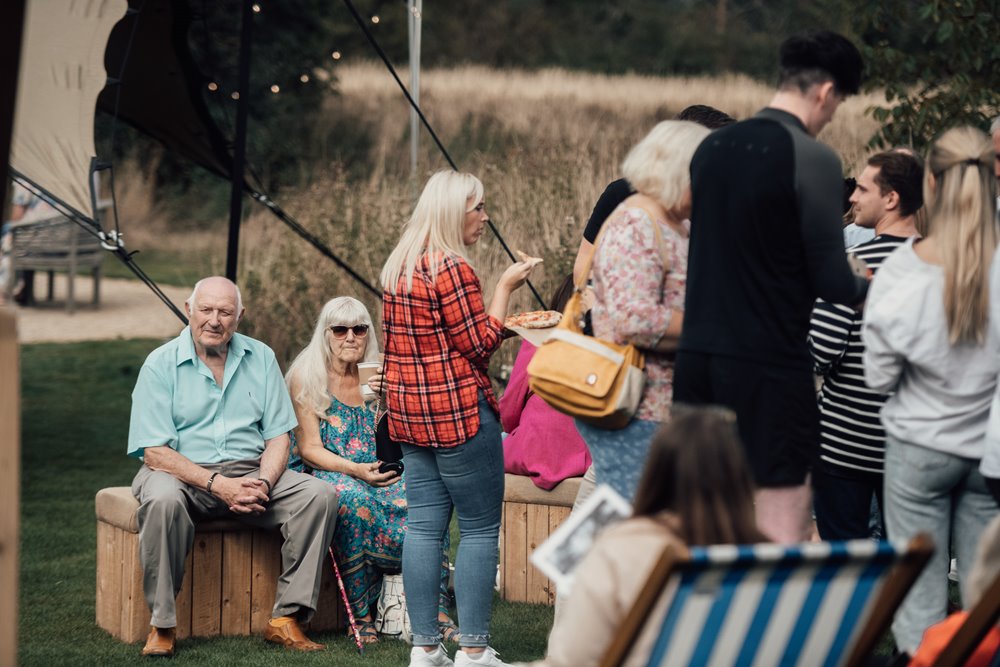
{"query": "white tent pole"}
pixel 414 23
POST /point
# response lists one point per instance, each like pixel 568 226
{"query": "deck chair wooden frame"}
pixel 981 618
pixel 904 565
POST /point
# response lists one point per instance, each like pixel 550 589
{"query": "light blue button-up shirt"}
pixel 177 403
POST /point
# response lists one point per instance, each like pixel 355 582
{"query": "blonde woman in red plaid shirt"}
pixel 439 337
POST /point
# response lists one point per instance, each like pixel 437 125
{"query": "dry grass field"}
pixel 544 143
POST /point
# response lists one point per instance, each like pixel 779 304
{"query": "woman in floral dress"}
pixel 335 441
pixel 639 275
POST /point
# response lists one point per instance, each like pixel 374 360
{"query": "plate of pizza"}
pixel 534 326
pixel 535 319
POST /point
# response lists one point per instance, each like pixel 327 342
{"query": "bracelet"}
pixel 268 485
pixel 208 487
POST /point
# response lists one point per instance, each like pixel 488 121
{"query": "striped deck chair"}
pixel 824 603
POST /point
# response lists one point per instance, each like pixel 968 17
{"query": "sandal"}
pixel 449 631
pixel 366 631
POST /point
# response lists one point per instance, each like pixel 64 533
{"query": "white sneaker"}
pixel 436 658
pixel 488 658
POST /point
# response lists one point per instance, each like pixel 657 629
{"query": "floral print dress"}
pixel 371 521
pixel 639 280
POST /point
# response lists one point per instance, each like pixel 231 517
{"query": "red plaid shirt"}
pixel 438 345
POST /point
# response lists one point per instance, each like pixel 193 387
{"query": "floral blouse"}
pixel 637 283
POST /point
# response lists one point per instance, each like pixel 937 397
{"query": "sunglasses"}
pixel 340 331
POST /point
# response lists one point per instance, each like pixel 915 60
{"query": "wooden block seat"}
pixel 530 515
pixel 229 584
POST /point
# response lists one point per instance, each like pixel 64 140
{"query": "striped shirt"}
pixel 851 434
pixel 439 340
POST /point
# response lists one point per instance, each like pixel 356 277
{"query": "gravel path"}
pixel 128 309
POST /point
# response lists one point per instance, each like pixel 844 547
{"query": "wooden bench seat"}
pixel 229 585
pixel 530 515
pixel 55 244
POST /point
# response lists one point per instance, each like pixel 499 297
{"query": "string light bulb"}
pixel 304 78
pixel 256 8
pixel 375 19
pixel 235 95
pixel 213 86
pixel 275 88
pixel 335 55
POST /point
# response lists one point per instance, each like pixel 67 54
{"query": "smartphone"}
pixel 391 466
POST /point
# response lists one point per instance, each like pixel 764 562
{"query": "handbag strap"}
pixel 588 264
pixel 574 318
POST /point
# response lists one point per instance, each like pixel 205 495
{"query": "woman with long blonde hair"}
pixel 439 336
pixel 929 338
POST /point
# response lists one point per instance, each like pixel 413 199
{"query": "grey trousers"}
pixel 304 507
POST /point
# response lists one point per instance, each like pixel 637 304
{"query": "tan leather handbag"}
pixel 593 380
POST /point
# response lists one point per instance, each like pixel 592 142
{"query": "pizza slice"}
pixel 535 319
pixel 525 257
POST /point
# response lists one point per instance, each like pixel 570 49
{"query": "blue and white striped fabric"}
pixel 769 604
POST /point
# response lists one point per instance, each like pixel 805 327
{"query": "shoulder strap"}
pixel 657 234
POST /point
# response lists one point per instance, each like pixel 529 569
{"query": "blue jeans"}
pixel 944 495
pixel 619 456
pixel 469 477
pixel 844 500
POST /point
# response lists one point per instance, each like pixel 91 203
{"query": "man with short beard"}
pixel 852 440
pixel 210 420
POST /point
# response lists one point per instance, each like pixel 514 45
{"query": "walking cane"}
pixel 347 605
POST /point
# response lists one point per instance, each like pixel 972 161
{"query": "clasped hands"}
pixel 243 495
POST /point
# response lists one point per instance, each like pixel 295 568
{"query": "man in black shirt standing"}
pixel 766 242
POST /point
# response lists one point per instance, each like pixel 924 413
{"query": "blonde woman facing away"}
pixel 928 338
pixel 640 277
pixel 439 336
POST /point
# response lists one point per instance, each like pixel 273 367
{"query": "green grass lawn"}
pixel 75 401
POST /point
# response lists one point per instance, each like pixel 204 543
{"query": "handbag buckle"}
pixel 591 379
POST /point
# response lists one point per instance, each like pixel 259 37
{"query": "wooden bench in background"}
pixel 229 579
pixel 55 244
pixel 529 517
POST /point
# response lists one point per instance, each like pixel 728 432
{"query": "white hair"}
pixel 435 228
pixel 193 299
pixel 659 166
pixel 307 375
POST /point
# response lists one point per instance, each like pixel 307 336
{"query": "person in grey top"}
pixel 766 242
pixel 931 337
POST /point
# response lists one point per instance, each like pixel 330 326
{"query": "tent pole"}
pixel 414 23
pixel 11 29
pixel 240 149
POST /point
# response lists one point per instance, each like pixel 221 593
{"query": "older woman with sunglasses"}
pixel 335 442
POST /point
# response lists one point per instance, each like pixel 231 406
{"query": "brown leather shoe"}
pixel 161 641
pixel 285 630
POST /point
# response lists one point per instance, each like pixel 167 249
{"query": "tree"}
pixel 939 62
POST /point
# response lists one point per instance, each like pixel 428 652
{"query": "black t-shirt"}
pixel 616 192
pixel 766 241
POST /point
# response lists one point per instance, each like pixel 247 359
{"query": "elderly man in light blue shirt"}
pixel 210 420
